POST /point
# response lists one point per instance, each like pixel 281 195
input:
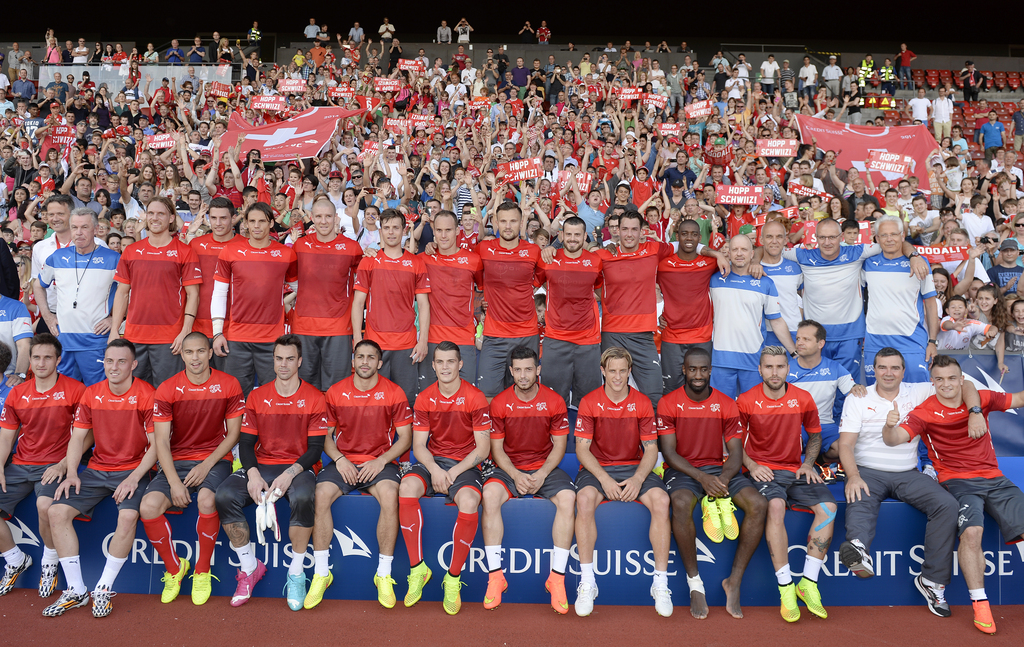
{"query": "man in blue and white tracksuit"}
pixel 902 309
pixel 832 292
pixel 786 274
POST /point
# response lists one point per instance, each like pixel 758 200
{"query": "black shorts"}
pixel 619 473
pixel 999 497
pixel 22 480
pixel 213 479
pixel 97 485
pixel 233 495
pixel 798 495
pixel 677 480
pixel 555 482
pixel 469 478
pixel 330 474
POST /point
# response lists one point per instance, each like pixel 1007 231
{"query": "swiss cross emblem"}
pixel 275 253
pixel 586 262
pixel 792 404
pixel 755 282
pixel 133 399
pixel 716 407
pixel 406 263
pixel 460 401
pixel 463 260
pixel 523 253
pixel 631 407
pixel 300 403
pixel 826 371
pixel 215 388
pixel 339 246
pixel 542 406
pixel 378 396
pixel 172 253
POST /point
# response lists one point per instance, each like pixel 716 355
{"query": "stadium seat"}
pixel 932 82
pixel 1010 106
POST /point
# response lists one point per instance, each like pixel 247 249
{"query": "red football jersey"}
pixel 119 424
pixel 323 306
pixel 283 425
pixel 772 427
pixel 527 427
pixel 256 278
pixel 395 282
pixel 44 419
pixel 452 422
pixel 197 413
pixel 207 250
pixel 617 431
pixel 701 428
pixel 628 300
pixel 956 455
pixel 158 276
pixel 508 288
pixel 365 421
pixel 452 281
pixel 572 314
pixel 685 286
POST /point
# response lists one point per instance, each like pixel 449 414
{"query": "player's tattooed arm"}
pixel 648 443
pixel 294 470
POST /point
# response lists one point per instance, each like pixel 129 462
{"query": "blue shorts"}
pixel 728 380
pixel 86 366
pixel 847 352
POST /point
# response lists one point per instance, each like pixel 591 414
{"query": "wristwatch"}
pixel 21 375
pixel 793 354
pixel 974 410
pixel 914 254
pixel 932 341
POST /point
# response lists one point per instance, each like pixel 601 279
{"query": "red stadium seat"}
pixel 1000 83
pixel 1013 82
pixel 932 73
pixel 999 74
pixel 1010 106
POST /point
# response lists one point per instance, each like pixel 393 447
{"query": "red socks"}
pixel 410 518
pixel 207 528
pixel 462 538
pixel 159 533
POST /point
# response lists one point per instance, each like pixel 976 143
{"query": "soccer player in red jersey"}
pixel 398 280
pixel 197 421
pixel 282 438
pixel 165 273
pixel 572 340
pixel 529 432
pixel 967 466
pixel 115 417
pixel 685 281
pixel 38 414
pixel 771 414
pixel 323 302
pixel 220 217
pixel 617 445
pixel 255 270
pixel 364 413
pixel 451 436
pixel 454 273
pixel 510 265
pixel 694 422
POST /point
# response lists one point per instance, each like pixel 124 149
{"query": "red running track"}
pixel 142 620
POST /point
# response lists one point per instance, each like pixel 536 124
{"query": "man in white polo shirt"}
pixel 875 472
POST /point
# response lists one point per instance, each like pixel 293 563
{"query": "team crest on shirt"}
pixel 406 263
pixel 300 404
pixel 462 260
pixel 523 253
pixel 826 371
pixel 631 406
pixel 792 403
pixel 275 253
pixel 460 401
pixel 339 246
pixel 133 399
pixel 58 396
pixel 789 270
pixel 542 406
pixel 214 388
pixel 716 407
pixel 378 396
pixel 586 262
pixel 755 282
pixel 172 253
pixel 905 264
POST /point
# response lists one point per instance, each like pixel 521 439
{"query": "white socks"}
pixel 587 573
pixel 110 571
pixel 72 567
pixel 977 594
pixel 246 560
pixel 661 579
pixel 384 565
pixel 559 559
pixel 493 557
pixel 784 576
pixel 295 567
pixel 49 556
pixel 812 566
pixel 14 557
pixel 321 562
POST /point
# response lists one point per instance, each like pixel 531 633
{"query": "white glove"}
pixel 261 520
pixel 930 471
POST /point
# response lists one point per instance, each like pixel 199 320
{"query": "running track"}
pixel 142 619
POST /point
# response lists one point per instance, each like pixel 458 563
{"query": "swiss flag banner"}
pixel 731 194
pixel 368 149
pixel 341 92
pixel 810 235
pixel 397 126
pixel 654 101
pixel 305 134
pixel 669 130
pixel 583 181
pixel 777 147
pixel 807 191
pixel 368 103
pixel 411 65
pixel 160 141
pixel 854 145
pixel 267 103
pixel 426 122
pixel 218 89
pixel 628 94
pixel 891 162
pixel 518 170
pixel 290 86
pixel 386 85
pixel 700 109
pixel 943 254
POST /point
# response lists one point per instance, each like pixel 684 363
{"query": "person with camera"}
pixel 463 30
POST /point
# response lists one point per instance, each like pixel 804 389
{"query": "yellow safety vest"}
pixel 866 67
pixel 885 73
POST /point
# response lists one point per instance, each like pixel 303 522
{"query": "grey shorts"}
pixel 156 363
pixel 325 360
pixel 619 473
pixel 495 359
pixel 97 486
pixel 249 362
pixel 22 480
pixel 330 474
pixel 233 495
pixel 677 480
pixel 570 368
pixel 470 478
pixel 556 481
pixel 999 497
pixel 798 495
pixel 213 479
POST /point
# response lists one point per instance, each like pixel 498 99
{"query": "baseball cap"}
pixel 335 174
pixel 1008 244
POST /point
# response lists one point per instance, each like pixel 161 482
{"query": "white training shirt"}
pixel 866 417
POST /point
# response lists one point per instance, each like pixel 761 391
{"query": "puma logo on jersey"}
pixel 433 401
pixel 758 403
pixel 180 389
pixel 242 252
pixel 940 414
pixel 269 403
pixel 510 407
